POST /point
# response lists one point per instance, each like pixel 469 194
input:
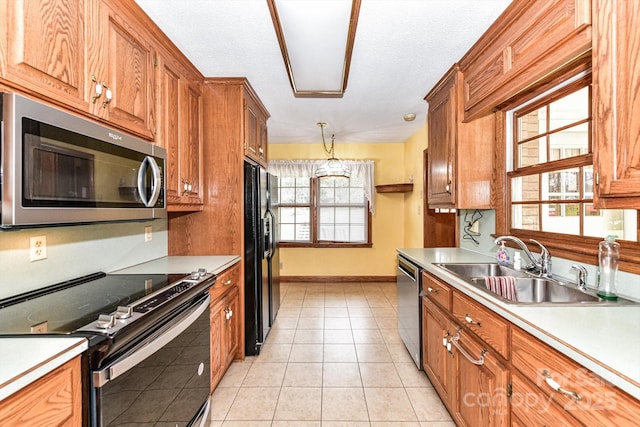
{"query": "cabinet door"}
pixel 42 48
pixel 481 398
pixel 438 362
pixel 121 57
pixel 55 399
pixel 262 140
pixel 168 136
pixel 218 344
pixel 233 324
pixel 251 114
pixel 616 83
pixel 442 117
pixel 191 143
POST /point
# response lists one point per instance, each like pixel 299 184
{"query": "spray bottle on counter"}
pixel 608 258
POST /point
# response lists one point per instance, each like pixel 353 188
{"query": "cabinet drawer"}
pixel 225 281
pixel 490 327
pixel 595 401
pixel 436 291
pixel 528 403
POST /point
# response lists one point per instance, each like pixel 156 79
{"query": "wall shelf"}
pixel 394 188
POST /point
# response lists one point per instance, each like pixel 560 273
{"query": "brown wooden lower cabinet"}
pixel 225 322
pixel 526 383
pixel 53 400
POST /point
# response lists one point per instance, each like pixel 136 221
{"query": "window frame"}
pixel 572 247
pixel 314 204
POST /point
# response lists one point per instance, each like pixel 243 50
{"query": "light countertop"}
pixel 604 339
pixel 24 360
pixel 181 264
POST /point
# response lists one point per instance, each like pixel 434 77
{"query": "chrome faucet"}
pixel 542 266
pixel 582 276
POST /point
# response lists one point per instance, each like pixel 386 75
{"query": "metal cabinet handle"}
pixel 479 361
pixel 227 283
pixel 447 187
pixel 555 386
pixel 228 313
pixel 260 150
pixel 186 187
pixel 108 95
pixel 470 320
pixel 98 94
pixel 432 290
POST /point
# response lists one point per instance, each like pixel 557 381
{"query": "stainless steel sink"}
pixel 530 289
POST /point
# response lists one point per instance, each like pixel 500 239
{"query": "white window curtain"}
pixel 307 169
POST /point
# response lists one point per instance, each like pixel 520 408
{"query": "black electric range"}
pixel 108 309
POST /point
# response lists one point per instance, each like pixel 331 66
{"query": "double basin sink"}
pixel 529 289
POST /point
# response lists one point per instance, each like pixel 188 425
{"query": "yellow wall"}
pixel 414 202
pixel 387 221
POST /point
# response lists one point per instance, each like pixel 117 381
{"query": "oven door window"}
pixel 65 169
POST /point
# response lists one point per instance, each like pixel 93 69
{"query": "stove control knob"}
pixel 202 272
pixel 106 321
pixel 124 312
pixel 195 275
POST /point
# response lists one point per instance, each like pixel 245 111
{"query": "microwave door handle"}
pixel 155 182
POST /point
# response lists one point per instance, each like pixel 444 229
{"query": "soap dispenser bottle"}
pixel 608 258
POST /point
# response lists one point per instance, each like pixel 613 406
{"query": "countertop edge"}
pixel 22 379
pixel 607 372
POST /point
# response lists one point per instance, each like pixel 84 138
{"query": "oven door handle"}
pixel 111 372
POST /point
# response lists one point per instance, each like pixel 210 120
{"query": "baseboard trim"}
pixel 341 279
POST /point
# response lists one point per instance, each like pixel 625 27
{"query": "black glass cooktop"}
pixel 68 309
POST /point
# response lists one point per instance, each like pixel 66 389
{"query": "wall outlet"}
pixel 37 248
pixel 148 233
pixel 281 265
pixel 475 227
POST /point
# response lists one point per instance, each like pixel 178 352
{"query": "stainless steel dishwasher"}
pixel 409 304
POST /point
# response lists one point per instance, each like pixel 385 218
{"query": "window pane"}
pixel 286 182
pixel 569 109
pixel 287 195
pixel 603 222
pixel 287 232
pixel 342 195
pixel 569 142
pixel 326 215
pixel 561 185
pixel 561 218
pixel 357 233
pixel 532 152
pixel 287 215
pixel 532 124
pixel 526 217
pixel 303 196
pixel 525 188
pixel 326 232
pixel 327 195
pixel 342 216
pixel 357 215
pixel 588 182
pixel 303 233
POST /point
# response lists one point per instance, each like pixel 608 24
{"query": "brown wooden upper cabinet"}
pixel 179 101
pixel 460 163
pixel 525 44
pixel 84 55
pixel 616 84
pixel 255 131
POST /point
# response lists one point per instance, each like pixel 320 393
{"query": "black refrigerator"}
pixel 261 258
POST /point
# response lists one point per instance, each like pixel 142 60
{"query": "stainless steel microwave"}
pixel 60 169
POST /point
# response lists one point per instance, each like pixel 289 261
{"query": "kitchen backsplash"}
pixel 628 284
pixel 76 251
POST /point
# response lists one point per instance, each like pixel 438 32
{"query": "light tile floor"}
pixel 333 359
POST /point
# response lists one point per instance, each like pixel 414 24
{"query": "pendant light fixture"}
pixel 333 166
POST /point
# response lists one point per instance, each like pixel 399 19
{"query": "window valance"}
pixel 307 169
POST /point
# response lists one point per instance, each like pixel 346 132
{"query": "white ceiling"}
pixel 401 50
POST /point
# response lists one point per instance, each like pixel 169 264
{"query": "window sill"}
pixel 324 245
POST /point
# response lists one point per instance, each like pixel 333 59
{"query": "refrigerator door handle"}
pixel 272 246
pixel 266 235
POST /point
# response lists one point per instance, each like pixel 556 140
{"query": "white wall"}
pixel 76 251
pixel 628 284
